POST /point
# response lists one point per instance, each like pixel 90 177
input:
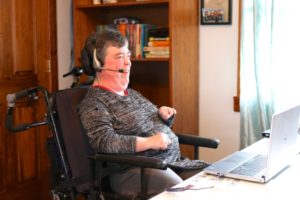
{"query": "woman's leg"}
pixel 128 182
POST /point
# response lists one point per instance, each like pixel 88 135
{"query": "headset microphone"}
pixel 98 66
pixel 115 70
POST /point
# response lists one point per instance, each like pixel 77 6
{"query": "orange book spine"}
pixel 161 43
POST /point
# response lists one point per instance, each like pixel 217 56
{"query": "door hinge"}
pixel 49 66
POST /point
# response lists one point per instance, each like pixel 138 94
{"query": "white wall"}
pixel 218 83
pixel 64 41
pixel 218 73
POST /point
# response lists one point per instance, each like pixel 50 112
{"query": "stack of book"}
pixel 158 44
pixel 137 35
pixel 145 40
pixel 157 48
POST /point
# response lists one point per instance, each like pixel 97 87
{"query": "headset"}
pixel 98 64
pixel 86 60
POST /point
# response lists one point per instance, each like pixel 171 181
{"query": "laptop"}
pixel 264 159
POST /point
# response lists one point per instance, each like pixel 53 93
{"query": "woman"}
pixel 118 119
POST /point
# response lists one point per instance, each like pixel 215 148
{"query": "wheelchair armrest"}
pixel 133 160
pixel 198 141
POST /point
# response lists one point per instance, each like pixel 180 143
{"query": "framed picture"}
pixel 216 12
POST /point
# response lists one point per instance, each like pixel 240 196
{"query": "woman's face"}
pixel 118 59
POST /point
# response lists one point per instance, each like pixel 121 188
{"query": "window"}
pixel 269 65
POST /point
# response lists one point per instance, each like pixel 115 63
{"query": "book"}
pixel 148 55
pixel 156 48
pixel 158 38
pixel 156 43
pixel 96 2
pixel 138 37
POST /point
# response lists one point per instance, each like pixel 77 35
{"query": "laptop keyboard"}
pixel 251 167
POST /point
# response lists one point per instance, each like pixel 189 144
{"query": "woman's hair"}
pixel 108 37
pixel 100 41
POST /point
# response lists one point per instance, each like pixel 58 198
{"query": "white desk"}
pixel 286 186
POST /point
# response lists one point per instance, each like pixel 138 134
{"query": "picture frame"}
pixel 216 12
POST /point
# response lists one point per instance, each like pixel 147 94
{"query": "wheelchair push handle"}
pixel 12 98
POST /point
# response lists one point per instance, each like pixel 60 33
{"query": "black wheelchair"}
pixel 76 170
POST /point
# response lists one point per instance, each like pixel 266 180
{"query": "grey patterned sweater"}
pixel 113 122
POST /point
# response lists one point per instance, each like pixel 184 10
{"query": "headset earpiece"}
pixel 96 62
pixel 98 65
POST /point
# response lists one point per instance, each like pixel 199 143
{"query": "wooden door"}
pixel 27 58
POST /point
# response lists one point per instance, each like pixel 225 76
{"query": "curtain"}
pixel 269 63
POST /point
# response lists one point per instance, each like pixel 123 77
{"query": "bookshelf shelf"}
pixel 122 4
pixel 169 81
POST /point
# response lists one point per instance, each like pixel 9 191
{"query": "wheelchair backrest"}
pixel 71 132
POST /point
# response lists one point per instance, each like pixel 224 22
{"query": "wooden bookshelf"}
pixel 172 81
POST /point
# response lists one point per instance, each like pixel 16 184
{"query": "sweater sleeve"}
pixel 98 123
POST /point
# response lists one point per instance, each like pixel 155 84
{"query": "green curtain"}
pixel 269 63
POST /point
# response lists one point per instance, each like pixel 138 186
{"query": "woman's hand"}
pixel 166 112
pixel 159 141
